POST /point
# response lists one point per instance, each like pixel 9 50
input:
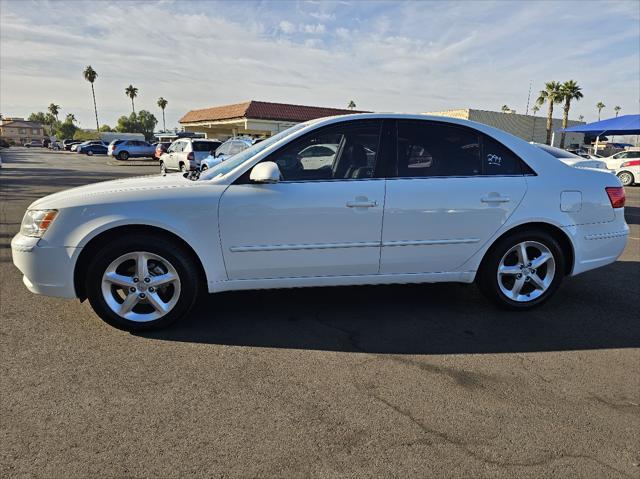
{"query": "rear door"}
pixel 450 190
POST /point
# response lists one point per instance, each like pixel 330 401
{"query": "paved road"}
pixel 389 381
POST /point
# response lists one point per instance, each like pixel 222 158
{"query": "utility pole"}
pixel 529 96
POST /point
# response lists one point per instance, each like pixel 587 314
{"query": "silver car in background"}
pixel 125 149
pixel 229 148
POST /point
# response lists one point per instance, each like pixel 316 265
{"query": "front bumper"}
pixel 46 270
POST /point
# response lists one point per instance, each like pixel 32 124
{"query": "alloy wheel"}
pixel 526 271
pixel 625 178
pixel 140 286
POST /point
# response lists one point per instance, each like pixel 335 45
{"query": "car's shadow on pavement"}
pixel 590 311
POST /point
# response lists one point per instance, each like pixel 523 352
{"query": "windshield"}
pixel 236 160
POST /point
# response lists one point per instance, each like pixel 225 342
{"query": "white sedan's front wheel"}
pixel 140 283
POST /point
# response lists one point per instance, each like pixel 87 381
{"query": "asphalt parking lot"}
pixel 385 381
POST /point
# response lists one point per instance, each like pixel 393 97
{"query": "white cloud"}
pixel 287 27
pixel 404 57
pixel 316 29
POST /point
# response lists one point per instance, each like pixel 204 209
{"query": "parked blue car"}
pixel 93 147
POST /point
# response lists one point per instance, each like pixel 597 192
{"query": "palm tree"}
pixel 600 106
pixel 505 109
pixel 550 94
pixel 351 105
pixel 162 103
pixel 90 75
pixel 131 92
pixel 54 110
pixel 71 118
pixel 569 90
pixel 581 117
pixel 617 110
pixel 535 110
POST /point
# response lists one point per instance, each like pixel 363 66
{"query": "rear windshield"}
pixel 557 152
pixel 205 145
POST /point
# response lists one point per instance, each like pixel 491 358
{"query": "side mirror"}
pixel 267 172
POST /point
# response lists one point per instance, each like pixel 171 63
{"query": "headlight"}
pixel 36 222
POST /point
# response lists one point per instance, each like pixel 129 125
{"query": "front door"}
pixel 452 189
pixel 321 219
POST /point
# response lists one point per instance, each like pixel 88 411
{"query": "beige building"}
pixel 527 127
pixel 254 118
pixel 20 131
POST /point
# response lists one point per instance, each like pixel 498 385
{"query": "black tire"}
pixel 626 178
pixel 183 169
pixel 123 155
pixel 163 168
pixel 180 259
pixel 204 167
pixel 487 277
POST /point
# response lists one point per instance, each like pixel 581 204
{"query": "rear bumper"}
pixel 46 270
pixel 598 244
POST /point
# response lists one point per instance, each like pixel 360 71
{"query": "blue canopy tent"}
pixel 620 125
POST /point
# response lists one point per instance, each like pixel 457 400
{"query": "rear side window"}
pixel 498 160
pixel 237 147
pixel 430 149
pixel 203 145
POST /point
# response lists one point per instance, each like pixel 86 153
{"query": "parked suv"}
pixel 125 149
pixel 187 153
pixel 227 149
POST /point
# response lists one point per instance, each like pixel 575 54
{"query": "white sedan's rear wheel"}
pixel 523 270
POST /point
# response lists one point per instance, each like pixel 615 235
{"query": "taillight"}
pixel 190 156
pixel 630 163
pixel 616 196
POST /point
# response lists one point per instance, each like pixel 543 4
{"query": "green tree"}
pixel 505 109
pixel 70 118
pixel 551 95
pixel 66 130
pixel 162 103
pixel 131 92
pixel 351 105
pixel 600 106
pixel 105 128
pixel 617 110
pixel 569 90
pixel 90 75
pixel 144 122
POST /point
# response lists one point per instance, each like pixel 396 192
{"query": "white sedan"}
pixel 404 199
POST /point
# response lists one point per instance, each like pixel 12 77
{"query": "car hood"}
pixel 129 189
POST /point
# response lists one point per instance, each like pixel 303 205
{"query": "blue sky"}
pixel 386 56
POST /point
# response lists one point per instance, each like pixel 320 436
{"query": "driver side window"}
pixel 340 152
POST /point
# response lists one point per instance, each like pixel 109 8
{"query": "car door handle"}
pixel 495 199
pixel 361 204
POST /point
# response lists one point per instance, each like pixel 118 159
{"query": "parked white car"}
pixel 614 162
pixel 572 159
pixel 186 154
pixel 227 149
pixel 125 149
pixel 461 202
pixel 629 172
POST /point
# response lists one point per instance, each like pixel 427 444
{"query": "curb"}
pixel 133 163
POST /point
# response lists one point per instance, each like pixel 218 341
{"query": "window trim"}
pixel 392 171
pixel 381 159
